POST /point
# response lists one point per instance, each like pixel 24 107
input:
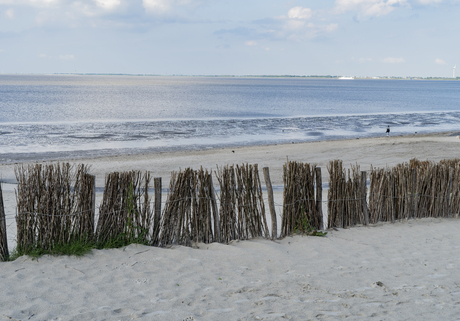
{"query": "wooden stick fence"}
pixel 242 209
pixel 53 205
pixel 415 190
pixel 300 210
pixel 190 210
pixel 56 203
pixel 125 208
pixel 346 196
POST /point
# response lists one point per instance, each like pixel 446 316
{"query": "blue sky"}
pixel 231 37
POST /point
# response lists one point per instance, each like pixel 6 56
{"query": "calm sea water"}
pixel 56 116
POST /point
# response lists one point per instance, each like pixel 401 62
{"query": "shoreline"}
pixel 369 151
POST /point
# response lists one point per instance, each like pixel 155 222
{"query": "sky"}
pixel 362 38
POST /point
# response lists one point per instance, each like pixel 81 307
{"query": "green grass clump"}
pixel 304 227
pixel 76 248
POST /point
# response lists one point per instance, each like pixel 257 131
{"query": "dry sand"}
pixel 402 271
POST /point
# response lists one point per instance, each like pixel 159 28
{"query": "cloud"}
pixel 2 50
pixel 251 43
pixel 74 13
pixel 296 25
pixel 363 60
pixel 428 1
pixel 331 27
pixel 157 6
pixel 34 3
pixel 300 13
pixel 108 4
pixel 310 31
pixel 369 7
pixel 160 7
pixel 391 60
pixel 440 62
pixel 10 13
pixel 66 57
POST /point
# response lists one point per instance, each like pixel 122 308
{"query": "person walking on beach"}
pixel 388 130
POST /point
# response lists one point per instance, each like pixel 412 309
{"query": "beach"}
pixel 366 152
pixel 400 271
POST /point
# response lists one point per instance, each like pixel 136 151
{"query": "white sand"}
pixel 296 278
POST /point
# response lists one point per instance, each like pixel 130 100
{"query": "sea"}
pixel 45 117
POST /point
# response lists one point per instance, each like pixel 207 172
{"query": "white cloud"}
pixel 2 50
pixel 295 25
pixel 310 31
pixel 157 6
pixel 35 3
pixel 67 12
pixel 363 60
pixel 429 1
pixel 440 62
pixel 369 7
pixel 391 60
pixel 43 2
pixel 332 27
pixel 300 13
pixel 108 4
pixel 66 57
pixel 167 6
pixel 251 43
pixel 10 14
pixel 43 56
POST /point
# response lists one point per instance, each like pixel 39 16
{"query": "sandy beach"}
pixel 378 152
pixel 401 271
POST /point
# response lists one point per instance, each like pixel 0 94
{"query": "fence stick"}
pixel 413 194
pixel 449 189
pixel 271 202
pixel 391 199
pixel 3 239
pixel 157 212
pixel 93 202
pixel 215 211
pixel 364 197
pixel 319 197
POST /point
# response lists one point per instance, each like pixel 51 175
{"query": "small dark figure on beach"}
pixel 388 130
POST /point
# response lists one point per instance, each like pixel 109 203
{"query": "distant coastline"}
pixel 240 76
